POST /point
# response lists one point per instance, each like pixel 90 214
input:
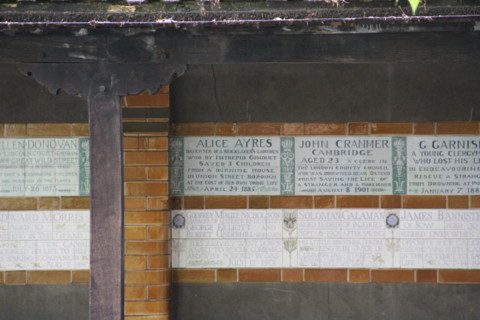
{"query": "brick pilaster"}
pixel 147 230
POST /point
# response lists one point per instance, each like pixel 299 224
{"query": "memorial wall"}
pixel 325 201
pixel 363 203
pixel 45 218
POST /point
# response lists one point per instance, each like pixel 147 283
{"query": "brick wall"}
pixel 50 277
pixel 147 228
pixel 147 204
pixel 325 201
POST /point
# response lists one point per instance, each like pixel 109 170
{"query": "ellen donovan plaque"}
pixel 44 167
pixel 311 165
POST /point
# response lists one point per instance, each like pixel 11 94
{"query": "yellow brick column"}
pixel 147 217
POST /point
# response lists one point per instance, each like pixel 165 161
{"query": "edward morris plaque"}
pixel 44 240
pixel 311 165
pixel 44 167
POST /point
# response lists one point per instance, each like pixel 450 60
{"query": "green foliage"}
pixel 414 5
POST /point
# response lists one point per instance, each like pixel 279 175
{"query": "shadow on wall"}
pixel 325 301
pixel 23 100
pixel 327 93
pixel 44 302
pixel 281 93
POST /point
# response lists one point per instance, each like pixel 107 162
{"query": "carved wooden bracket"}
pixel 102 84
pixel 115 79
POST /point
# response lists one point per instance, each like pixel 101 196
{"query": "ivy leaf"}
pixel 414 5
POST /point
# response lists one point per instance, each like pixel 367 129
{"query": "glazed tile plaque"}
pixel 443 165
pixel 225 165
pixel 44 167
pixel 344 165
pixel 327 238
pixel 44 240
pixel 312 165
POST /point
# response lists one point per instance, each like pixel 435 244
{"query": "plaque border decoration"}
pixel 178 221
pixel 84 166
pixel 176 163
pixel 392 220
pixel 287 165
pixel 399 165
pixel 290 234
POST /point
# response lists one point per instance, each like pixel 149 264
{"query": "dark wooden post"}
pixel 106 243
pixel 103 84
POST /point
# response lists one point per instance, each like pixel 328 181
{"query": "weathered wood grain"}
pixel 159 50
pixel 106 246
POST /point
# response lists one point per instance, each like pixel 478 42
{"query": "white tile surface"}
pixel 44 240
pixel 328 238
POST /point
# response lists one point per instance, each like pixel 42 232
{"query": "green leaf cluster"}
pixel 414 5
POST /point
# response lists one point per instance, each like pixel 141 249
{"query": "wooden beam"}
pixel 106 244
pixel 169 48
